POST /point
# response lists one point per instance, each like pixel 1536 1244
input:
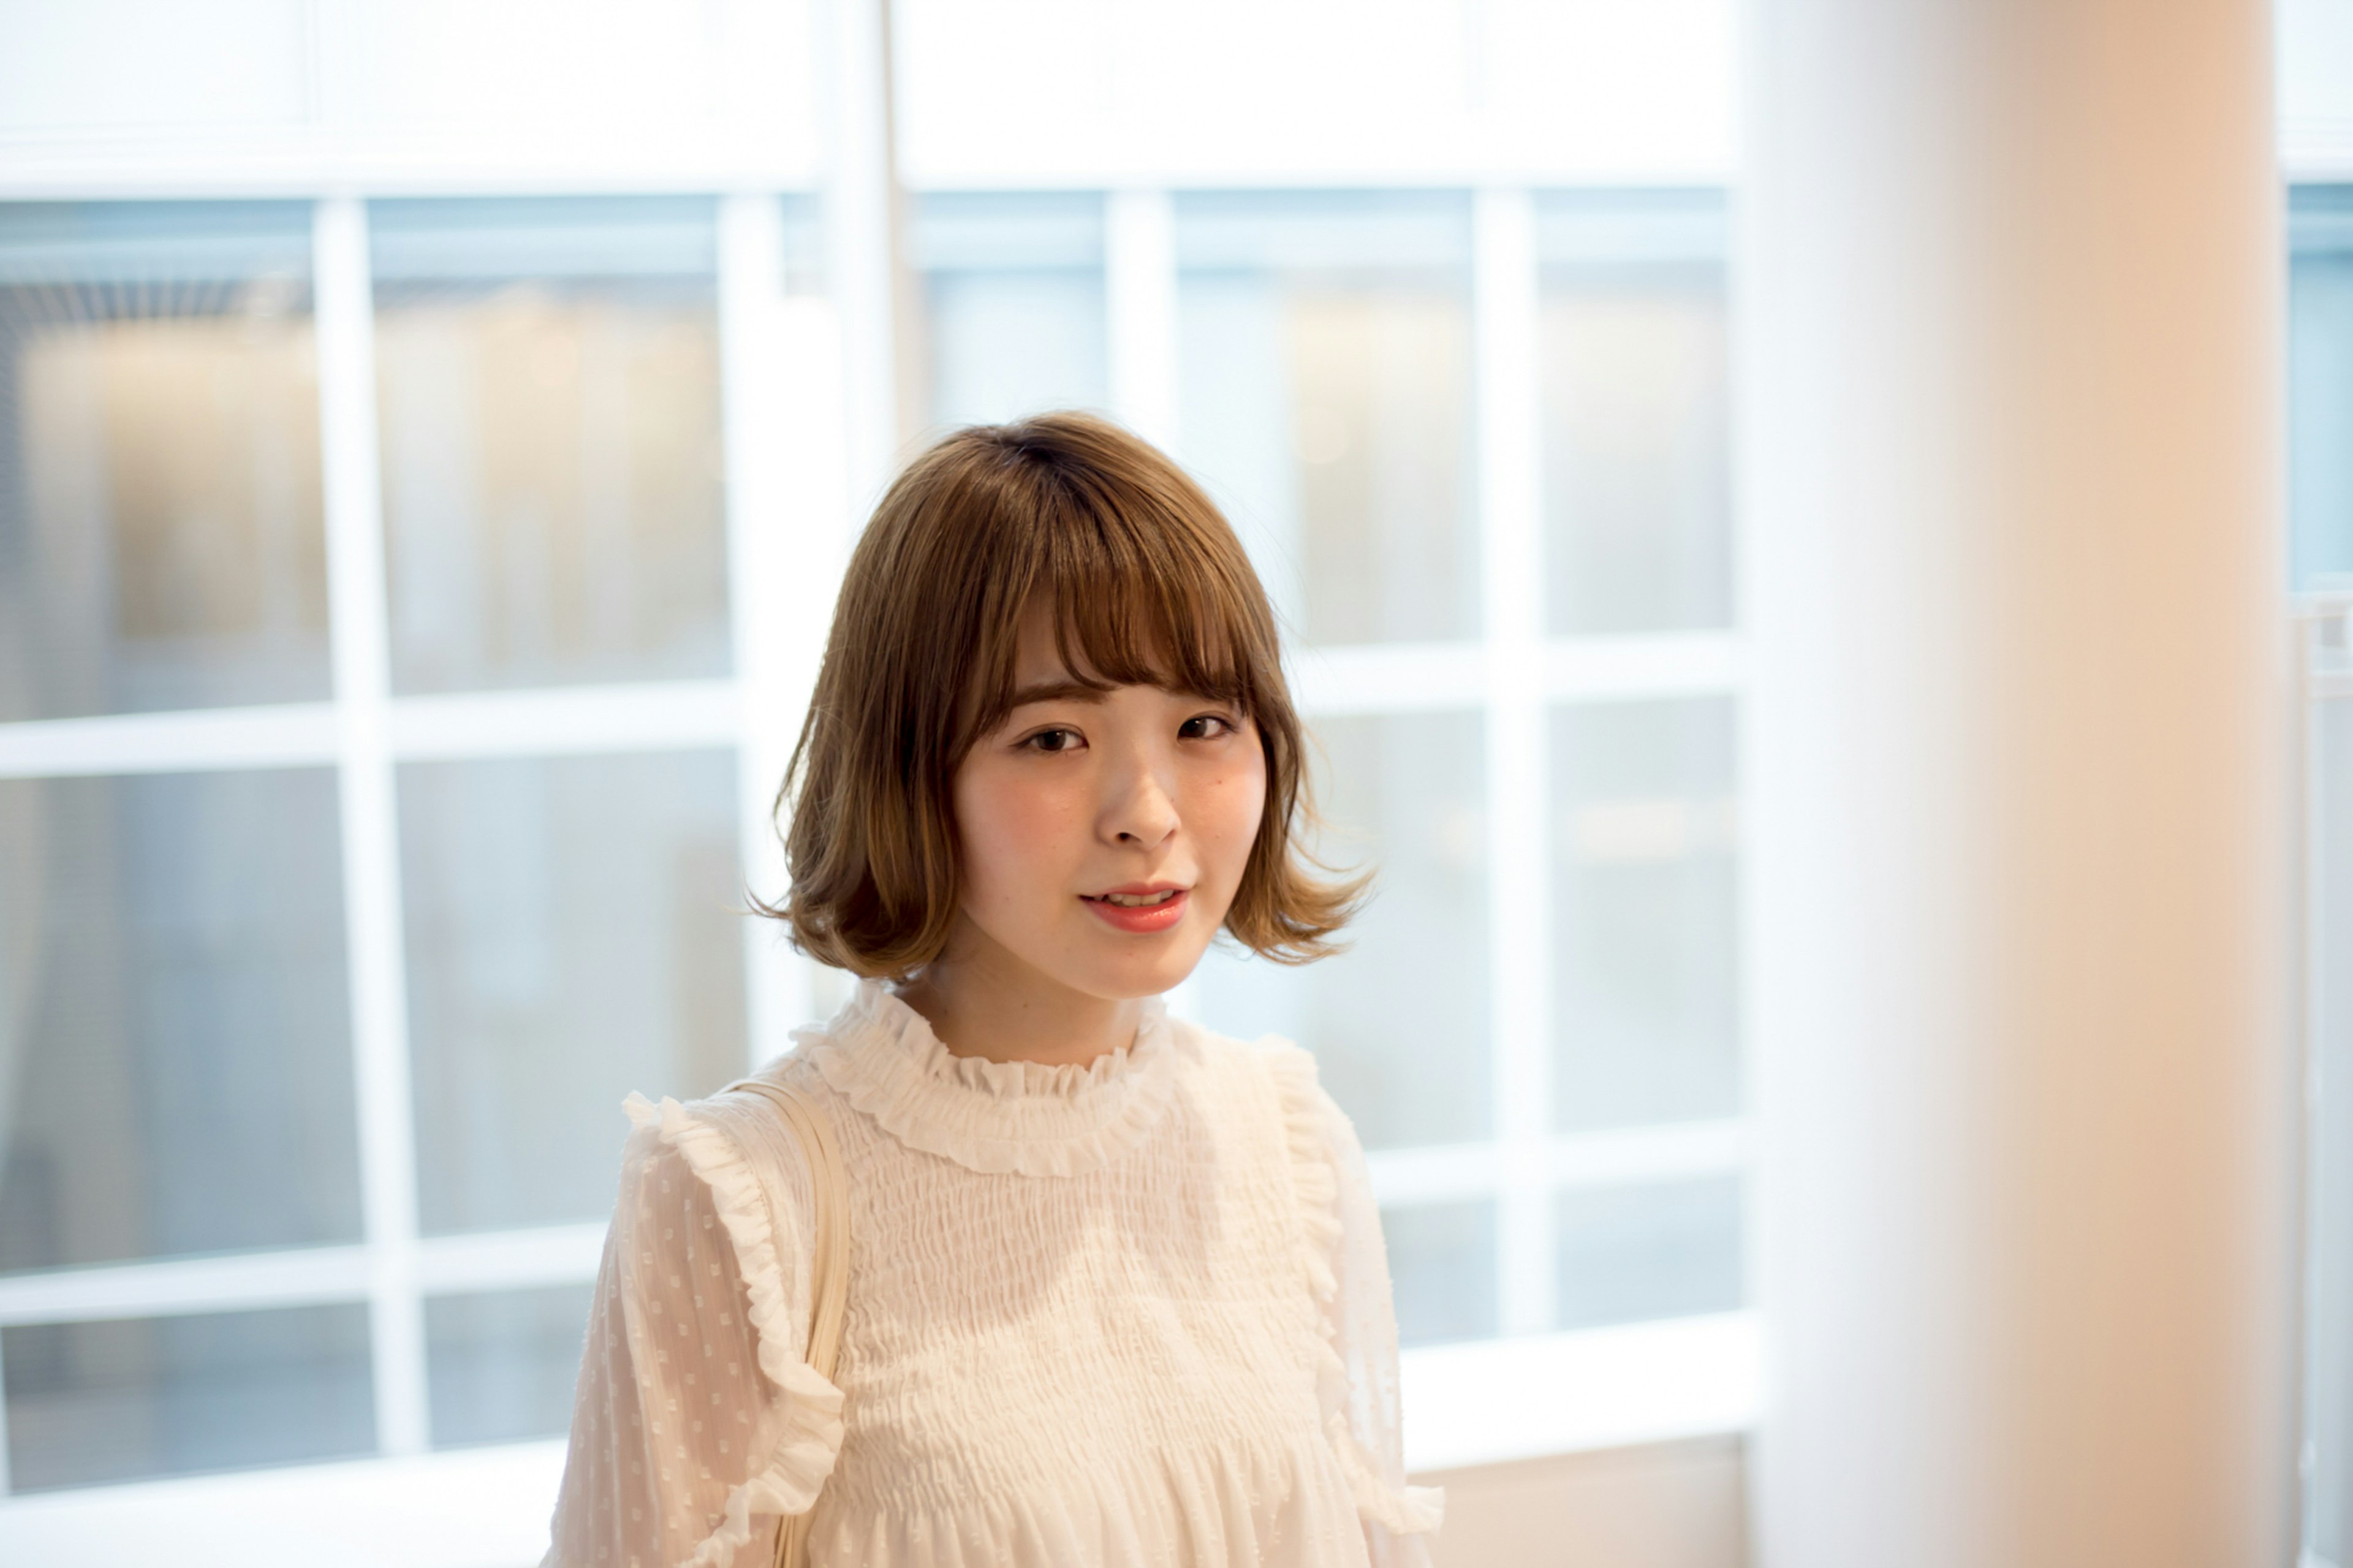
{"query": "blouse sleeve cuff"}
pixel 1401 1511
pixel 801 1433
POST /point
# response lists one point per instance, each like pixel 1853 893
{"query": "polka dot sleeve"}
pixel 684 1452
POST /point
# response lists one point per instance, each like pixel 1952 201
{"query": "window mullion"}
pixel 1504 310
pixel 371 847
pixel 754 414
pixel 1140 286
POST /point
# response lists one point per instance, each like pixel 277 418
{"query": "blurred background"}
pixel 428 437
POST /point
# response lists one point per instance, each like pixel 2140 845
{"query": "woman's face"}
pixel 1105 833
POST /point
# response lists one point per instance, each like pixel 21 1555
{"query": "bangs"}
pixel 1140 593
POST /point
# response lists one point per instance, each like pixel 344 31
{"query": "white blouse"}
pixel 1132 1315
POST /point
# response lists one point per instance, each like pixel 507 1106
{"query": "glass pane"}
pixel 804 244
pixel 160 536
pixel 1014 290
pixel 548 396
pixel 2320 386
pixel 502 1367
pixel 174 1045
pixel 1398 1023
pixel 571 937
pixel 1636 440
pixel 1645 975
pixel 160 1396
pixel 1442 1271
pixel 2328 1356
pixel 1628 1253
pixel 1326 401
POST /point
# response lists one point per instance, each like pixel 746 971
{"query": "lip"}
pixel 1149 921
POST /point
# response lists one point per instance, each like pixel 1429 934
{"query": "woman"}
pixel 1117 1293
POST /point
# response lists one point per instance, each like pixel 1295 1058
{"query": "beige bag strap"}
pixel 829 1281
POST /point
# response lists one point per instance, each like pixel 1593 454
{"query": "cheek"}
pixel 1226 819
pixel 1017 837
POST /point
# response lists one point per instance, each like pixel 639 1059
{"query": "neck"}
pixel 993 1005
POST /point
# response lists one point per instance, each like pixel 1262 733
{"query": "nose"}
pixel 1140 811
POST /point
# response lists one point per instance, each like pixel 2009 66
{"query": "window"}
pixel 547 403
pixel 322 986
pixel 2320 387
pixel 2320 471
pixel 1638 495
pixel 160 502
pixel 1533 1028
pixel 541 789
pixel 346 927
pixel 1014 312
pixel 2328 650
pixel 1325 397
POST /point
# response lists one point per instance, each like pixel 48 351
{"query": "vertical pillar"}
pixel 2009 291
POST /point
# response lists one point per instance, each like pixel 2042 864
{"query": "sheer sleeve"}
pixel 696 1423
pixel 1351 1273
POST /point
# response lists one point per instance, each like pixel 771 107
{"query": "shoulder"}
pixel 1288 1063
pixel 1285 1071
pixel 1226 1055
pixel 732 1143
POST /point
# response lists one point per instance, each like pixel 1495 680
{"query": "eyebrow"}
pixel 1056 691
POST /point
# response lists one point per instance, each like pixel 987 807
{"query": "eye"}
pixel 1051 742
pixel 1206 727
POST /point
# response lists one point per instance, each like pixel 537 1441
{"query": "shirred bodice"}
pixel 1131 1313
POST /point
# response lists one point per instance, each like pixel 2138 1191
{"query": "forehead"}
pixel 1039 655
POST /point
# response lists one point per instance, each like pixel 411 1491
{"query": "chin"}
pixel 1131 975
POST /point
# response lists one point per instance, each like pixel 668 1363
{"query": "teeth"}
pixel 1139 901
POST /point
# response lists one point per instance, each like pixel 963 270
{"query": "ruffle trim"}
pixel 1406 1510
pixel 1030 1119
pixel 810 1436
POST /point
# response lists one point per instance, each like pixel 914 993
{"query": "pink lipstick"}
pixel 1144 909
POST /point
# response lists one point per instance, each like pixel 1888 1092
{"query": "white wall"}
pixel 139 97
pixel 2314 49
pixel 1669 1505
pixel 154 96
pixel 129 95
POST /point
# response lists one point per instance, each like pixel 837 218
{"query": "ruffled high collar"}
pixel 1033 1119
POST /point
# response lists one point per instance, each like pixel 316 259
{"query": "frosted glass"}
pixel 1645 958
pixel 571 937
pixel 1325 397
pixel 1632 344
pixel 501 1366
pixel 1630 1254
pixel 548 403
pixel 1441 1271
pixel 2328 1266
pixel 126 1400
pixel 161 543
pixel 2320 387
pixel 174 1021
pixel 1013 288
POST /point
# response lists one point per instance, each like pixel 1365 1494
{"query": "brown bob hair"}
pixel 1147 585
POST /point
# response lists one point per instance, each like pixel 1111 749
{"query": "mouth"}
pixel 1140 910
